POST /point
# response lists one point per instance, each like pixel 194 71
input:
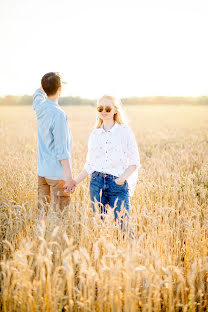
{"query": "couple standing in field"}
pixel 112 157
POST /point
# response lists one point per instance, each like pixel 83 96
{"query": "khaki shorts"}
pixel 52 191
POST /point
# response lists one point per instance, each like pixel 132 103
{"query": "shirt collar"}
pixel 52 102
pixel 115 126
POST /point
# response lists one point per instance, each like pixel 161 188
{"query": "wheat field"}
pixel 73 261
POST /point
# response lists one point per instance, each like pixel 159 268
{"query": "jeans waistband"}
pixel 104 174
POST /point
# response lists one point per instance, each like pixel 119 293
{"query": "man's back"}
pixel 54 136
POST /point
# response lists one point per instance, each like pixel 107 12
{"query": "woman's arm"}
pixel 126 174
pixel 81 176
pixel 132 155
pixel 87 170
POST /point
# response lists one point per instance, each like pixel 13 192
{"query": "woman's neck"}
pixel 108 124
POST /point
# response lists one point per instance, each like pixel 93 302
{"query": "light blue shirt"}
pixel 54 137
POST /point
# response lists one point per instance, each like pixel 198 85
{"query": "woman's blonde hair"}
pixel 119 116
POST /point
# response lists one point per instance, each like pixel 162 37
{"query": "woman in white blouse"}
pixel 112 158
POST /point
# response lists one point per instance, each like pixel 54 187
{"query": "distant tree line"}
pixel 27 100
pixel 166 100
pixel 70 100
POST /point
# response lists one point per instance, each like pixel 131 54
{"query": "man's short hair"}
pixel 51 82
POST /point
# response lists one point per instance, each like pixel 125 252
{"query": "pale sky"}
pixel 122 47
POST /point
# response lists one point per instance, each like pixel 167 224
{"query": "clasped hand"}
pixel 70 186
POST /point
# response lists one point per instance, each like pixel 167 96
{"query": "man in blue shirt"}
pixel 55 182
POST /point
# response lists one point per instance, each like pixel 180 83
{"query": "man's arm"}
pixel 61 135
pixel 70 183
pixel 38 97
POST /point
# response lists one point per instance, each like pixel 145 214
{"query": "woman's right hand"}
pixel 119 181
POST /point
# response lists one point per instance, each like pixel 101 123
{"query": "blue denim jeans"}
pixel 104 190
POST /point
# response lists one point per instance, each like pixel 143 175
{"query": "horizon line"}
pixel 124 97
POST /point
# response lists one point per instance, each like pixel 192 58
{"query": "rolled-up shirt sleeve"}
pixel 132 149
pixel 38 97
pixel 62 136
pixel 89 158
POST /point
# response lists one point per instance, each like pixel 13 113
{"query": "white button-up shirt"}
pixel 112 152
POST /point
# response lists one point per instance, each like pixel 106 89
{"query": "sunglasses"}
pixel 107 109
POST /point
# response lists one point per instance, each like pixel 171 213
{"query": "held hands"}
pixel 70 186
